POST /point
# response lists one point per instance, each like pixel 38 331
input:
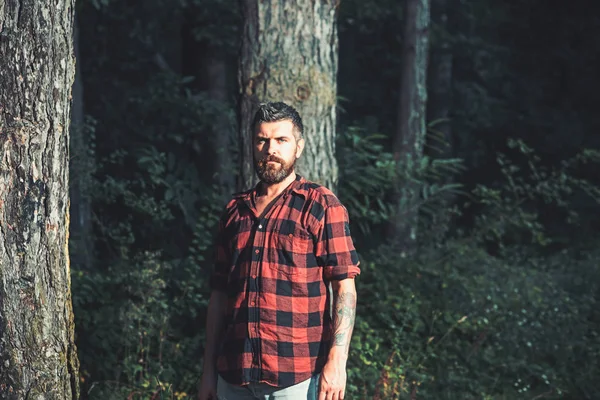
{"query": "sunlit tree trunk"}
pixel 290 53
pixel 38 357
pixel 411 134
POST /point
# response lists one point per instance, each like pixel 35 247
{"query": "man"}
pixel 270 333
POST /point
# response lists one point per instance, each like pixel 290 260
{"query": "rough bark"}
pixel 440 86
pixel 38 357
pixel 411 134
pixel 290 53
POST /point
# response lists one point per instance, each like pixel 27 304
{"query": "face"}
pixel 276 150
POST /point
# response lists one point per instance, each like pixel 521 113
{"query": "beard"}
pixel 271 174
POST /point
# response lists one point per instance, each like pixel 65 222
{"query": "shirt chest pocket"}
pixel 293 248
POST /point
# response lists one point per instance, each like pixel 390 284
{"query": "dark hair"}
pixel 275 112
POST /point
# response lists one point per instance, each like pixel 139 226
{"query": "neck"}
pixel 274 189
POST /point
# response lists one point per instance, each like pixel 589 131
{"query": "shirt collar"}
pixel 298 186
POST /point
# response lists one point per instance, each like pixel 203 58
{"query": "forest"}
pixel 462 136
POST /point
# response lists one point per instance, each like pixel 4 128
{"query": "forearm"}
pixel 214 328
pixel 344 313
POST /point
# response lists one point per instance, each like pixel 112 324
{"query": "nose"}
pixel 271 147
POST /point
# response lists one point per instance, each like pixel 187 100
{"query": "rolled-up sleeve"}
pixel 334 248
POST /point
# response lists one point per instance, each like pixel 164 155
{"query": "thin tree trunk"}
pixel 410 138
pixel 290 53
pixel 38 357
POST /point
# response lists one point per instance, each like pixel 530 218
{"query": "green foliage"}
pixel 138 315
pixel 457 323
pixel 530 187
pixel 366 176
pixel 140 308
pixel 462 320
pixel 369 176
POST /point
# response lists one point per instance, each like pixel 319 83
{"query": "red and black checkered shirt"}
pixel 274 269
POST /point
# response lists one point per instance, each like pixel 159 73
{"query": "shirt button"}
pixel 252 303
pixel 257 251
pixel 260 227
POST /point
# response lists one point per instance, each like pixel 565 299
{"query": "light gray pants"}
pixel 261 391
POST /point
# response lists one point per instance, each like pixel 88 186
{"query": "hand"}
pixel 208 386
pixel 332 384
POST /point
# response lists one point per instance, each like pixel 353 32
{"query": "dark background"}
pixel 500 299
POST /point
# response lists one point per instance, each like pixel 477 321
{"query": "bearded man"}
pixel 270 331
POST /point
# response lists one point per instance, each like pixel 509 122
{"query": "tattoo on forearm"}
pixel 343 319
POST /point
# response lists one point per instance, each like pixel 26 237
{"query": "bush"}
pixel 482 314
pixel 140 309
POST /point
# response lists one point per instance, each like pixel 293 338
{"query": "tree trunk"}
pixel 38 357
pixel 411 134
pixel 290 54
pixel 440 87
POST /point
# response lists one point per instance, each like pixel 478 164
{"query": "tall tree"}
pixel 290 53
pixel 38 357
pixel 411 133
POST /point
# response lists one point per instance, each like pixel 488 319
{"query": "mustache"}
pixel 266 159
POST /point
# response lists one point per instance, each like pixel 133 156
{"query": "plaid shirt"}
pixel 274 269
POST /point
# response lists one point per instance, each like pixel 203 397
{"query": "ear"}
pixel 299 147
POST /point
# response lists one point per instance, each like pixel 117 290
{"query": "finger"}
pixel 321 388
pixel 322 392
pixel 342 394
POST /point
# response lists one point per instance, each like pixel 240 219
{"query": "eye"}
pixel 282 140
